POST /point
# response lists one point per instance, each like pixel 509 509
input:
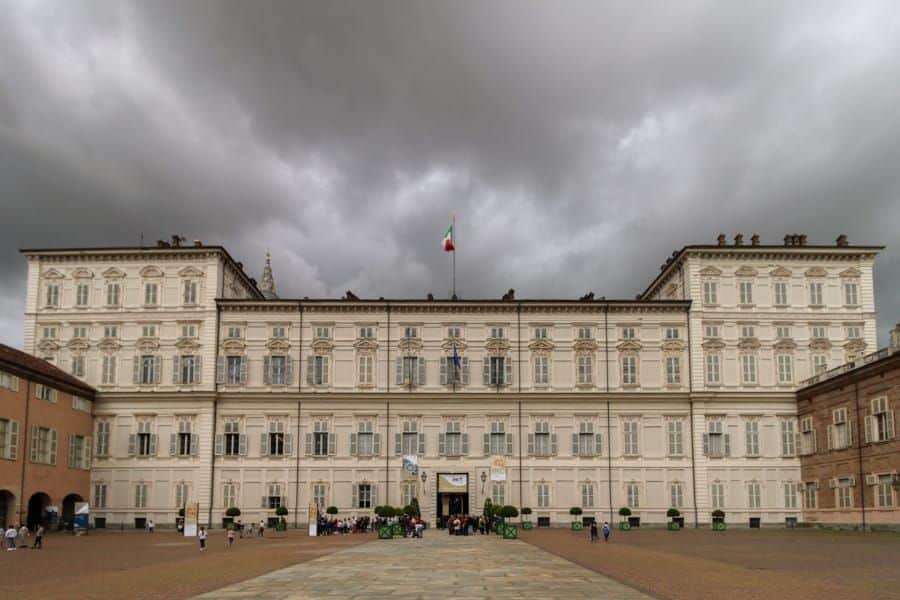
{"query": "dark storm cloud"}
pixel 578 143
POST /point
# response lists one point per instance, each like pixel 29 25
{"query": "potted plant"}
pixel 282 512
pixel 331 510
pixel 673 525
pixel 230 513
pixel 510 532
pixel 526 523
pixel 624 524
pixel 576 511
pixel 718 520
pixel 414 506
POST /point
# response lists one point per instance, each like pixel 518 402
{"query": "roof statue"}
pixel 267 283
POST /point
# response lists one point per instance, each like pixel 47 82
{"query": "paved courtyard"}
pixel 438 566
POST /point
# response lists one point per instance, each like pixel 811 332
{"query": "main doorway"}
pixel 452 496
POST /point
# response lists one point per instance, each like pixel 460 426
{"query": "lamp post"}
pixel 483 480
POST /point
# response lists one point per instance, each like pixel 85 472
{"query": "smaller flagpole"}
pixel 453 240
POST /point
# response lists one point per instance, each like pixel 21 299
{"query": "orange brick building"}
pixel 850 449
pixel 45 440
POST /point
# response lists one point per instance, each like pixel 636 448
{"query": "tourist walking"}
pixel 23 533
pixel 150 525
pixel 202 535
pixel 262 528
pixel 230 536
pixel 605 531
pixel 240 528
pixel 594 536
pixel 10 536
pixel 39 537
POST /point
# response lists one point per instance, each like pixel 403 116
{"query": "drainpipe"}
pixel 691 404
pixel 519 377
pixel 387 435
pixel 297 443
pixel 25 433
pixel 859 447
pixel 215 417
pixel 608 411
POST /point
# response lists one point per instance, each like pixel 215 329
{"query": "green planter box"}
pixel 385 532
pixel 673 526
pixel 718 526
pixel 527 525
pixel 577 526
pixel 398 529
pixel 281 527
pixel 624 525
pixel 498 528
pixel 510 532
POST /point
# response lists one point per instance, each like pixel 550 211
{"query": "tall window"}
pixel 364 439
pixel 673 370
pixel 543 495
pixel 851 293
pixel 108 375
pixel 82 293
pixel 790 495
pixel 149 368
pixel 498 494
pixel 366 369
pixel 277 440
pixel 497 368
pixel 151 294
pixel 585 370
pixel 746 292
pixel 407 492
pixel 885 491
pixel 540 441
pixel 140 495
pixel 52 296
pixel 785 369
pixel 807 436
pixel 810 495
pixel 409 439
pixel 717 494
pixel 633 495
pixel 364 495
pixel 675 437
pixel 752 432
pixel 754 495
pixel 275 499
pixel 587 495
pixel 453 443
pixel 630 438
pixel 320 494
pixel 845 493
pixel 820 363
pixel 232 440
pixel 586 442
pixel 229 495
pixel 79 452
pixel 454 371
pixel 113 294
pixel 278 370
pixel 189 292
pixel 317 370
pixel 145 441
pixel 716 442
pixel 236 370
pixel 781 293
pixel 676 495
pixel 710 292
pixel 839 432
pixel 187 369
pixel 629 370
pixel 45 392
pixel 815 293
pixel 101 439
pixel 541 370
pixel 184 440
pixel 498 441
pixel 880 425
pixel 788 438
pixel 713 369
pixel 748 369
pixel 78 366
pixel 411 370
pixel 319 441
pixel 100 495
pixel 181 494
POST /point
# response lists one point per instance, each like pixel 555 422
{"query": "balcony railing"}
pixel 847 367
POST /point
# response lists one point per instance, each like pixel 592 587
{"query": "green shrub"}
pixel 575 511
pixel 281 511
pixel 673 512
pixel 509 512
pixel 416 511
pixel 625 511
pixel 332 510
pixel 232 511
pixel 526 510
pixel 718 514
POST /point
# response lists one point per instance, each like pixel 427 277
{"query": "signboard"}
pixel 498 469
pixel 191 519
pixel 313 519
pixel 82 512
pixel 453 483
pixel 410 467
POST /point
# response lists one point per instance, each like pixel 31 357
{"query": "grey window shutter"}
pixel 220 444
pixel 376 444
pixel 242 444
pixel 265 502
pixel 309 444
pixel 399 369
pixel 197 369
pixel 421 444
pixel 705 444
pixel 243 370
pixel 374 495
pixel 354 501
pixel 442 444
pixel 530 444
pixel 554 446
pixel 288 444
pixel 264 444
pixel 157 369
pixel 87 453
pixel 332 443
pixel 867 429
pixel 136 374
pixel 444 361
pixel 288 371
pixel 267 373
pixel 509 444
pixel 220 369
pixel 507 365
pixel 727 437
pixel 420 378
pixel 310 370
pixel 132 444
pixel 176 370
pixel 487 444
pixel 325 378
pixel 487 370
pixel 398 444
pixel 465 444
pixel 34 443
pixel 153 440
pixel 173 444
pixel 465 371
pixel 71 462
pixel 195 444
pixel 574 444
pixel 13 452
pixel 353 444
pixel 598 444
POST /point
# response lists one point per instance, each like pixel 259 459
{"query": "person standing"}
pixel 594 536
pixel 230 536
pixel 605 531
pixel 262 528
pixel 10 536
pixel 150 525
pixel 39 537
pixel 23 533
pixel 202 535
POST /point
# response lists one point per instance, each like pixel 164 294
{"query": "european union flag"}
pixel 456 362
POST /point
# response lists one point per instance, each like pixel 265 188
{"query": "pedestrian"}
pixel 39 537
pixel 250 529
pixel 202 537
pixel 605 531
pixel 262 528
pixel 240 528
pixel 150 525
pixel 594 536
pixel 10 536
pixel 23 533
pixel 230 536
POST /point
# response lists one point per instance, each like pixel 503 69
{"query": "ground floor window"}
pixel 844 494
pixel 885 491
pixel 498 494
pixel 810 497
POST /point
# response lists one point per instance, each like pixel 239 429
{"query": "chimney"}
pixel 721 239
pixel 739 239
pixel 754 239
pixel 787 240
pixel 842 241
pixel 803 239
pixel 198 243
pixel 895 337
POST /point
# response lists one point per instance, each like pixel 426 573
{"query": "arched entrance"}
pixel 37 505
pixel 7 505
pixel 68 508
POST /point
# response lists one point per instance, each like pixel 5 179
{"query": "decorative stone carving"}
pixel 52 274
pixel 785 344
pixel 322 346
pixel 146 344
pixel 366 344
pixel 114 273
pixel 109 344
pixel 541 345
pixel 449 344
pixel 780 272
pixel 79 344
pixel 233 346
pixel 48 346
pixel 151 271
pixel 746 271
pixel 750 343
pixel 857 346
pixel 187 344
pixel 851 272
pixel 629 346
pixel 497 346
pixel 585 346
pixel 713 344
pixel 710 271
pixel 673 346
pixel 82 274
pixel 278 346
pixel 190 272
pixel 820 344
pixel 816 272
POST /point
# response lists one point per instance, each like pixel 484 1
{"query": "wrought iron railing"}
pixel 849 366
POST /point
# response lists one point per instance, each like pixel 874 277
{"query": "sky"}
pixel 578 143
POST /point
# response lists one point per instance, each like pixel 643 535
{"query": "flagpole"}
pixel 453 239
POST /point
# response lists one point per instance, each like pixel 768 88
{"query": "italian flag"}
pixel 447 242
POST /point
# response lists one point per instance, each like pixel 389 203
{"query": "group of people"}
pixel 469 525
pixel 232 532
pixel 326 526
pixel 18 538
pixel 595 534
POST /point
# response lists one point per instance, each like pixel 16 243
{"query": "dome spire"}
pixel 267 283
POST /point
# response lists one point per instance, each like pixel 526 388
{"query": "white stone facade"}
pixel 591 403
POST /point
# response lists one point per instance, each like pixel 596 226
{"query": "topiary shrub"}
pixel 232 511
pixel 509 512
pixel 526 510
pixel 180 512
pixel 332 510
pixel 281 511
pixel 673 512
pixel 718 514
pixel 624 512
pixel 488 509
pixel 416 511
pixel 575 511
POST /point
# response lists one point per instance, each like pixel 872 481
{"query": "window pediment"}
pixel 233 345
pixel 820 344
pixel 78 344
pixel 541 346
pixel 750 343
pixel 147 344
pixel 82 274
pixel 450 343
pixel 710 272
pixel 109 344
pixel 113 273
pixel 629 346
pixel 585 346
pixel 855 346
pixel 410 345
pixel 786 344
pixel 497 346
pixel 780 272
pixel 187 344
pixel 190 272
pixel 322 346
pixel 673 346
pixel 278 346
pixel 151 271
pixel 850 273
pixel 746 271
pixel 52 274
pixel 816 272
pixel 713 344
pixel 48 346
pixel 366 344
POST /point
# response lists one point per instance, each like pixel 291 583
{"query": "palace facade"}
pixel 212 389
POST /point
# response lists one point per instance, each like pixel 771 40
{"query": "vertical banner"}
pixel 410 467
pixel 191 519
pixel 82 512
pixel 313 519
pixel 498 469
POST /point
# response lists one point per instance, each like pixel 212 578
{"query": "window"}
pixel 716 443
pixel 151 294
pixel 854 332
pixel 880 425
pixel 411 370
pixel 183 442
pixel 497 333
pixel 43 445
pixel 366 369
pixel 845 493
pixel 320 494
pixel 364 495
pixel 584 333
pixel 229 495
pixel 498 494
pixel 540 442
pixel 144 442
pixel 236 370
pixel 746 292
pixel 673 370
pixel 587 495
pixel 754 496
pixel 111 331
pixel 585 370
pixel 633 495
pixel 113 294
pixel 188 331
pixel 410 439
pixel 147 369
pixel 140 495
pixel 9 381
pixel 628 333
pixel 785 369
pixel 790 495
pixel 187 369
pixel 629 370
pixel 781 293
pixel 817 332
pixel 108 368
pixel 713 369
pixel 49 333
pixel 717 494
pixel 675 437
pixel 630 438
pixel 454 442
pixel 235 332
pixel 543 495
pixel 839 433
pixel 52 296
pixel 672 333
pixel 82 404
pixel 815 293
pixel 320 440
pixel 499 443
pixel 317 370
pixel 78 366
pixel 751 430
pixel 45 392
pixel 277 370
pixel 9 439
pixel 498 370
pixel 82 294
pixel 148 331
pixel 748 369
pixel 189 292
pixel 788 438
pixel 181 494
pixel 362 443
pixel 276 442
pixel 101 439
pixel 233 439
pixel 454 332
pixel 676 495
pixel 585 442
pixel 710 292
pixel 885 491
pixel 100 495
pixel 820 363
pixel 748 331
pixel 851 293
pixel 810 495
pixel 274 499
pixel 367 332
pixel 807 436
pixel 783 332
pixel 711 331
pixel 407 492
pixel 541 370
pixel 540 333
pixel 454 371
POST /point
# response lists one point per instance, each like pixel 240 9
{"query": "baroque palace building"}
pixel 212 389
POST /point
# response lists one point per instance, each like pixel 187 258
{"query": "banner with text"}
pixel 191 519
pixel 410 467
pixel 498 469
pixel 453 483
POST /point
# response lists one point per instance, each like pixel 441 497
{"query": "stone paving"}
pixel 438 566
